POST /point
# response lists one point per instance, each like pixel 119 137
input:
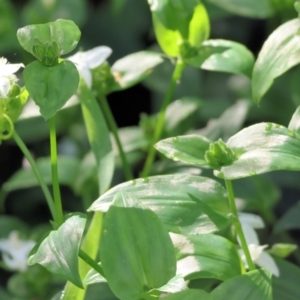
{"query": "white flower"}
pixel 15 251
pixel 91 59
pixel 7 76
pixel 258 255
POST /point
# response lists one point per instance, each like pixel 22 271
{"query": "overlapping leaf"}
pixel 185 203
pixel 136 251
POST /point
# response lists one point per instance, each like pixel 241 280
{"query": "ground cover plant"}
pixel 171 208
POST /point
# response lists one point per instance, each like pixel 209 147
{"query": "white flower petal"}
pixel 4 87
pixel 253 220
pixel 256 251
pixel 85 73
pixel 250 235
pixel 95 57
pixel 266 261
pixel 11 68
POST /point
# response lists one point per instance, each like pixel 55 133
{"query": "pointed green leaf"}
pixel 280 52
pixel 51 87
pixel 189 149
pixel 91 246
pixel 286 286
pixel 206 256
pixel 136 251
pixel 295 121
pixel 236 59
pixel 64 33
pixel 178 22
pixel 247 8
pixel 98 135
pixel 185 203
pixel 189 295
pixel 134 68
pixel 174 285
pixel 93 277
pixel 58 252
pixel 262 148
pixel 253 285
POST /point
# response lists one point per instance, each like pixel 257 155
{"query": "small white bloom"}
pixel 15 251
pixel 88 60
pixel 258 255
pixel 7 76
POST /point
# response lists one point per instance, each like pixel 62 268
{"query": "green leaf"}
pixel 282 250
pixel 295 121
pixel 206 256
pixel 290 219
pixel 91 246
pixel 133 68
pixel 262 148
pixel 279 53
pixel 63 33
pixel 287 285
pixel 253 285
pixel 136 251
pixel 185 203
pixel 247 8
pixel 98 135
pixel 93 277
pixel 176 23
pixel 174 285
pixel 236 59
pixel 58 252
pixel 189 295
pixel 189 149
pixel 51 87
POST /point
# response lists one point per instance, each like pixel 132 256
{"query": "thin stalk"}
pixel 161 116
pixel 37 173
pixel 114 129
pixel 85 257
pixel 237 225
pixel 55 183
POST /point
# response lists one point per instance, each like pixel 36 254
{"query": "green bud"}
pixel 47 53
pixel 219 155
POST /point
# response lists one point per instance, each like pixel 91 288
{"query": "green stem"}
pixel 84 256
pixel 114 129
pixel 161 117
pixel 55 183
pixel 237 224
pixel 37 173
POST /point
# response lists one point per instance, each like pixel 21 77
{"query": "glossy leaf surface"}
pixel 98 135
pixel 279 53
pixel 206 256
pixel 262 148
pixel 251 286
pixel 51 87
pixel 247 8
pixel 58 252
pixel 64 33
pixel 136 251
pixel 189 149
pixel 295 121
pixel 237 59
pixel 185 203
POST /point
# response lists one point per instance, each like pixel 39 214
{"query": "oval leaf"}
pixel 253 285
pixel 206 256
pixel 64 33
pixel 263 148
pixel 51 87
pixel 189 149
pixel 136 251
pixel 185 203
pixel 236 58
pixel 58 252
pixel 280 52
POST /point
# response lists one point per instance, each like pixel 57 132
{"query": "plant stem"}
pixel 55 182
pixel 37 173
pixel 237 225
pixel 114 129
pixel 161 117
pixel 84 256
